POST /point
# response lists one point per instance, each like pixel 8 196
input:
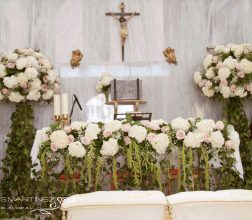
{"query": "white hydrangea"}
pixel 208 61
pixel 193 139
pixel 38 55
pixel 52 76
pixel 138 132
pixel 32 61
pixel 33 95
pixel 113 126
pixel 230 62
pixel 22 78
pixel 197 77
pixel 210 73
pixel 219 49
pixel 15 97
pixel 110 147
pixel 154 125
pixel 180 124
pixel 205 125
pixel 2 71
pixel 31 72
pixel 217 139
pixel 12 57
pixel 160 143
pixel 246 66
pixel 48 94
pixel 208 92
pixel 10 82
pixel 237 49
pixel 35 84
pixel 76 149
pixel 92 131
pixel 59 138
pixel 240 91
pixel 224 73
pixel 225 91
pixel 78 125
pixel 21 63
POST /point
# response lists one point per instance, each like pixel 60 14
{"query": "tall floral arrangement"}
pixel 104 84
pixel 138 155
pixel 227 76
pixel 27 75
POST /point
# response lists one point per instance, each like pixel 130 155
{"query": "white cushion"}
pixel 115 198
pixel 208 196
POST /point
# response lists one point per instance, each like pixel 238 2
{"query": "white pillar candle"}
pixel 56 100
pixel 64 104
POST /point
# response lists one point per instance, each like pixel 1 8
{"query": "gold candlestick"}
pixel 57 118
pixel 65 119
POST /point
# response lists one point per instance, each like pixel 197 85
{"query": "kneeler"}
pixel 116 205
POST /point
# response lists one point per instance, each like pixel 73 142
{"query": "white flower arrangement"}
pixel 227 73
pixel 27 75
pixel 104 84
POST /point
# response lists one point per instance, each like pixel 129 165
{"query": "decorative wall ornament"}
pixel 170 55
pixel 76 58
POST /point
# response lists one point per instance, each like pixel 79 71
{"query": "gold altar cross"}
pixel 123 18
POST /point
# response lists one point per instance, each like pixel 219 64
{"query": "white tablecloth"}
pixel 220 205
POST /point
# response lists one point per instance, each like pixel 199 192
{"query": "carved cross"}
pixel 123 18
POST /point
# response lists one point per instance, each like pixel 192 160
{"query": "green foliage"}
pixel 17 163
pixel 235 114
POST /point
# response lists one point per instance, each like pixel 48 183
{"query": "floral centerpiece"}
pixel 104 85
pixel 27 75
pixel 141 151
pixel 227 76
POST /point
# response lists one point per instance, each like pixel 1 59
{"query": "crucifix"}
pixel 123 18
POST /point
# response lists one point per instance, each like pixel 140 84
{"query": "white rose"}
pixel 208 61
pixel 12 57
pixel 210 73
pixel 230 62
pixel 48 94
pixel 110 147
pixel 225 91
pixel 216 139
pixel 35 84
pixel 34 95
pixel 59 138
pixel 197 77
pixel 246 66
pixel 160 143
pixel 21 63
pixel 15 97
pixel 31 72
pixel 76 125
pixel 92 131
pixel 180 124
pixel 113 126
pixel 76 149
pixel 2 71
pixel 208 92
pixel 10 82
pixel 193 140
pixel 22 78
pixel 138 132
pixel 224 73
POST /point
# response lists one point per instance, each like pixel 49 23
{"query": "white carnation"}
pixel 59 138
pixel 2 71
pixel 31 72
pixel 208 61
pixel 48 94
pixel 160 143
pixel 77 125
pixel 34 95
pixel 197 77
pixel 230 62
pixel 15 97
pixel 113 126
pixel 180 124
pixel 246 66
pixel 21 63
pixel 76 149
pixel 217 139
pixel 10 82
pixel 224 73
pixel 193 139
pixel 138 132
pixel 110 147
pixel 92 131
pixel 225 91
